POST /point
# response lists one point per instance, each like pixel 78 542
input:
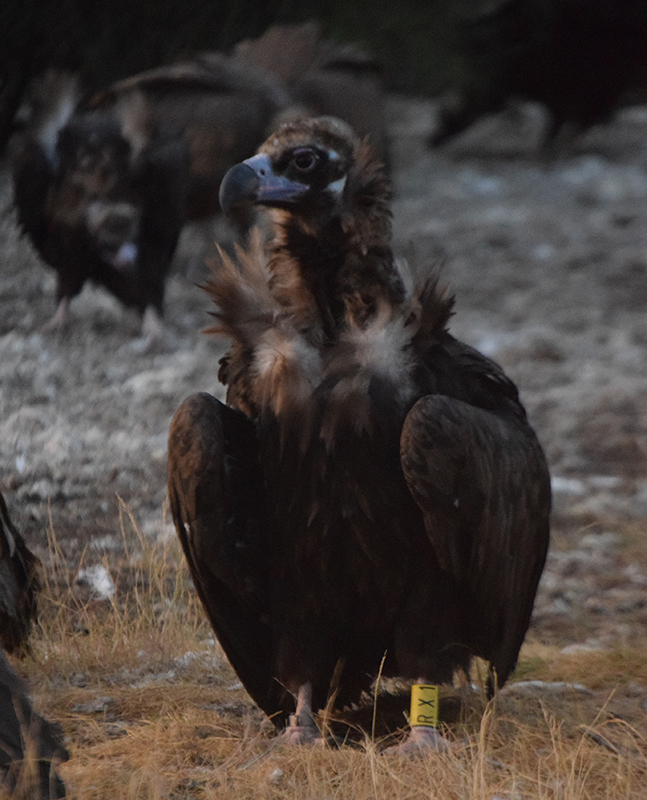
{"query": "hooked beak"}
pixel 254 182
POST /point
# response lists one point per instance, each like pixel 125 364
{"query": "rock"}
pixel 276 777
pixel 98 579
pixel 95 706
pixel 545 688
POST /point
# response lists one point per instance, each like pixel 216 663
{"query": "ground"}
pixel 548 262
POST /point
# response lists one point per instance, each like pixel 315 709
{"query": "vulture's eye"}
pixel 304 159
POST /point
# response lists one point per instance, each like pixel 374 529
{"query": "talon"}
pixel 57 322
pixel 421 740
pixel 296 733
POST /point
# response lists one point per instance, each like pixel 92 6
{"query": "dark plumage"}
pixel 100 204
pixel 372 486
pixel 324 77
pixel 18 585
pixel 28 743
pixel 103 193
pixel 219 105
pixel 582 59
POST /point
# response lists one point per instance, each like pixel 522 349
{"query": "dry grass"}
pixel 151 710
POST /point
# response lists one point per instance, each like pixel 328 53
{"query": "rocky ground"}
pixel 548 261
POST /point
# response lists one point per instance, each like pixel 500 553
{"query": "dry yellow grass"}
pixel 151 710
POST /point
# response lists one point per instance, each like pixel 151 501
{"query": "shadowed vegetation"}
pixel 151 709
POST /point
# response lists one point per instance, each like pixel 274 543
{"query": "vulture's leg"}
pixel 217 499
pixel 152 331
pixel 302 728
pixel 59 318
pixel 423 719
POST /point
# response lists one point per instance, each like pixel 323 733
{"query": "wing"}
pixel 18 584
pixel 481 481
pixel 23 733
pixel 213 71
pixel 218 506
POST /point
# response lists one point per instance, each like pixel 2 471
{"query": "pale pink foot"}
pixel 421 740
pixel 59 318
pixel 152 332
pixel 297 733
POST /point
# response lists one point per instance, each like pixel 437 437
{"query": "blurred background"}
pixel 109 41
pixel 581 58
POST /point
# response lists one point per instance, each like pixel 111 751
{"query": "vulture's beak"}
pixel 254 182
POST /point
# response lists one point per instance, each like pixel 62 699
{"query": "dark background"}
pixel 563 53
pixel 106 41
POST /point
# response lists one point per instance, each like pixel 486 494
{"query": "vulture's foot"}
pixel 152 332
pixel 421 740
pixel 59 319
pixel 302 731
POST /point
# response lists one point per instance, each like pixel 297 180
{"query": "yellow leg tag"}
pixel 424 706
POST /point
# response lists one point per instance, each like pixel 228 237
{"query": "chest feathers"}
pixel 286 366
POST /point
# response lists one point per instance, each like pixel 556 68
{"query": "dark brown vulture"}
pixel 221 106
pixel 581 59
pixel 100 204
pixel 29 744
pixel 372 487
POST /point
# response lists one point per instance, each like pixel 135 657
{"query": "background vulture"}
pixel 28 743
pixel 103 193
pixel 581 59
pixel 372 486
pixel 99 203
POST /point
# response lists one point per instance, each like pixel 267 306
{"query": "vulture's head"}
pixel 309 167
pixel 95 191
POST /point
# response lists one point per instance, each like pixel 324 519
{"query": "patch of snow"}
pixel 98 579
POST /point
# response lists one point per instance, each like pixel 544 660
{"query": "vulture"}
pixel 581 59
pixel 23 733
pixel 98 203
pixel 371 499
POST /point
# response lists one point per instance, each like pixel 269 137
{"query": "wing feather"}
pixel 481 481
pixel 19 584
pixel 218 507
